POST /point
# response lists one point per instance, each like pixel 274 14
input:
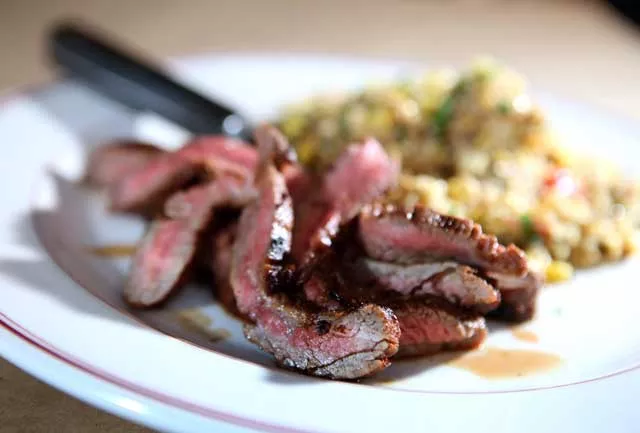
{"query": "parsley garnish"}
pixel 504 107
pixel 444 113
pixel 528 228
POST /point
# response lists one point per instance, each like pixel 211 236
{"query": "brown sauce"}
pixel 113 251
pixel 195 320
pixel 525 335
pixel 495 363
pixel 385 382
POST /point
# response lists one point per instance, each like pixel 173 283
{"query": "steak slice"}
pixel 336 344
pixel 162 261
pixel 272 144
pixel 428 323
pixel 419 235
pixel 164 258
pixel 226 190
pixel 145 190
pixel 519 295
pixel 422 235
pixel 222 155
pixel 429 326
pixel 222 249
pixel 458 284
pixel 361 174
pixel 109 163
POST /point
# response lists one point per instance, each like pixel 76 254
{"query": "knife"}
pixel 118 74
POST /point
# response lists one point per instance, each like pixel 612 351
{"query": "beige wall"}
pixel 576 47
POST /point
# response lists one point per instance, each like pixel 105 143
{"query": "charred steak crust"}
pixel 393 234
pixel 339 344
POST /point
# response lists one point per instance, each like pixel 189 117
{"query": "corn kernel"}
pixel 558 271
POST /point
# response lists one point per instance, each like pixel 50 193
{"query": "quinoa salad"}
pixel 475 145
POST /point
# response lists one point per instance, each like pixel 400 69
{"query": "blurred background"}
pixel 583 49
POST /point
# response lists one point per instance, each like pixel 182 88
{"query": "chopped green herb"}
pixel 461 86
pixel 528 228
pixel 444 113
pixel 504 107
pixel 442 116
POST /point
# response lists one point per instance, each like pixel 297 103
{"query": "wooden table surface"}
pixel 578 48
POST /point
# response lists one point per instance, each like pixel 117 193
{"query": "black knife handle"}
pixel 121 76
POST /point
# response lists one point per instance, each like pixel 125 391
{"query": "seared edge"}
pixel 393 234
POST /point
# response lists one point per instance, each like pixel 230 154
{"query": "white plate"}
pixel 63 320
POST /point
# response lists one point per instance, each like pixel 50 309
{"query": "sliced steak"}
pixel 429 327
pixel 273 145
pixel 227 194
pixel 423 236
pixel 226 190
pixel 165 255
pixel 428 323
pixel 145 190
pixel 393 234
pixel 299 183
pixel 361 174
pixel 222 155
pixel 162 261
pixel 458 284
pixel 519 295
pixel 338 344
pixel 109 163
pixel 222 249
